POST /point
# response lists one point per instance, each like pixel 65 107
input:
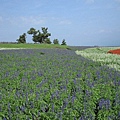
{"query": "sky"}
pixel 79 22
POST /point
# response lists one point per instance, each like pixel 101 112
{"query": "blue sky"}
pixel 79 22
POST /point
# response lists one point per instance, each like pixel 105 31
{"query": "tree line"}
pixel 39 37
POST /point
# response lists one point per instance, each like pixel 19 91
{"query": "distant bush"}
pixel 55 41
pixel 63 42
pixel 22 38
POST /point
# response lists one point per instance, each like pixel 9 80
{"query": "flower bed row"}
pixel 100 55
pixel 54 84
pixel 116 51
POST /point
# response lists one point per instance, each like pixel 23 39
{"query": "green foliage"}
pixel 63 42
pixel 53 84
pixel 32 31
pixel 55 41
pixel 22 38
pixel 40 37
pixel 31 46
pixel 47 40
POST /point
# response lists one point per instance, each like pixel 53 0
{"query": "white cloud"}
pixel 26 20
pixel 65 22
pixel 104 31
pixel 101 31
pixel 32 20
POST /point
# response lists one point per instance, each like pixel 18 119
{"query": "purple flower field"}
pixel 56 84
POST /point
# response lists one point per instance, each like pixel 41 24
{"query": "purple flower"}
pixel 4 118
pixel 82 118
pixel 78 75
pixel 31 104
pixel 52 97
pixel 0 97
pixel 39 74
pixel 88 93
pixel 33 116
pixel 119 114
pixel 75 118
pixel 37 95
pixel 52 107
pixel 101 103
pixel 73 98
pixel 118 82
pixel 104 103
pixel 74 81
pixel 22 108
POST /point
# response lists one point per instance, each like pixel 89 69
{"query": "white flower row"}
pixel 10 48
pixel 100 55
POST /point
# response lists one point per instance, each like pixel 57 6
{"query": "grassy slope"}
pixel 32 46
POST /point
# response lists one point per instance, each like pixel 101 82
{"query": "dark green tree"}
pixel 55 41
pixel 63 42
pixel 22 38
pixel 47 40
pixel 39 36
pixel 44 34
pixel 33 32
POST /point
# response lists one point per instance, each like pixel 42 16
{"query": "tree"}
pixel 63 42
pixel 55 41
pixel 22 38
pixel 47 40
pixel 38 36
pixel 33 32
pixel 44 34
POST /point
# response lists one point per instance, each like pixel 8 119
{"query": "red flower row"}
pixel 116 51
